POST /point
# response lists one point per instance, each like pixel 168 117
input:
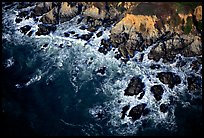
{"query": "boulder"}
pixel 157 52
pixel 95 12
pixel 136 111
pixel 68 11
pixel 194 83
pixel 42 8
pixel 157 91
pixel 169 78
pixel 134 87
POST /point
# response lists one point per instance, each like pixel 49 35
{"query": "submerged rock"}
pixel 101 70
pixel 136 111
pixel 169 78
pixel 157 91
pixel 134 87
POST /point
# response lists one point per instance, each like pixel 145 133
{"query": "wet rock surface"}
pixel 163 108
pixel 134 87
pixel 45 29
pixel 136 111
pixel 157 91
pixel 25 29
pixel 169 78
pixel 194 83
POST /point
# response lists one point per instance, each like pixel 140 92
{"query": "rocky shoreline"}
pixel 175 31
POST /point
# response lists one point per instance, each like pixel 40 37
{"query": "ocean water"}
pixel 57 91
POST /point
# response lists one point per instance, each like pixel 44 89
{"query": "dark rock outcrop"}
pixel 124 110
pixel 136 111
pixel 86 36
pixel 169 78
pixel 44 29
pixel 18 20
pixel 157 91
pixel 163 108
pixel 194 83
pixel 134 87
pixel 25 29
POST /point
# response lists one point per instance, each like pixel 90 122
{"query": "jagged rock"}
pixel 122 49
pixel 139 23
pixel 45 29
pixel 196 64
pixel 169 78
pixel 124 110
pixel 158 91
pixel 134 87
pixel 106 42
pixel 194 49
pixel 163 108
pixel 117 39
pixel 23 14
pixel 22 5
pixel 194 83
pixel 50 17
pixel 198 13
pixel 42 8
pixel 25 29
pixel 157 52
pixel 137 111
pixel 68 11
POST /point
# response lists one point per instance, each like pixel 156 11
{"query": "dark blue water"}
pixel 44 106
